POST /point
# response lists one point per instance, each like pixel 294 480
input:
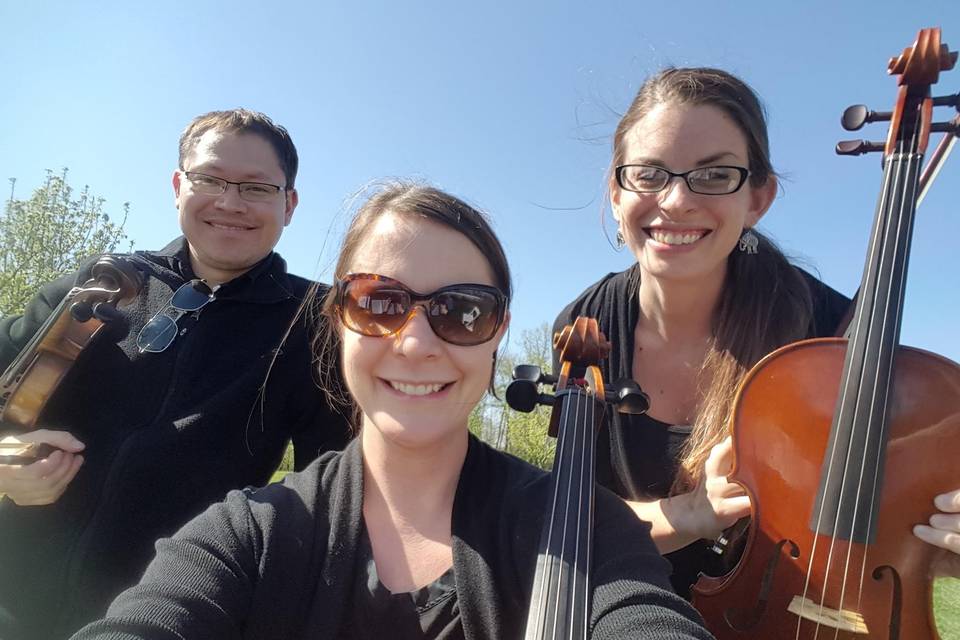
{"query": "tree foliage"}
pixel 522 434
pixel 50 234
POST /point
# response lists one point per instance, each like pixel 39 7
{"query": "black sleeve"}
pixel 200 585
pixel 632 597
pixel 16 331
pixel 320 429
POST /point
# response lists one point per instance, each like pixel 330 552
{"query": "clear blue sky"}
pixel 507 104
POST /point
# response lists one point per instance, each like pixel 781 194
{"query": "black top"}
pixel 166 434
pixel 429 613
pixel 637 456
pixel 280 562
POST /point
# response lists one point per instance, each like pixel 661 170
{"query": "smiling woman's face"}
pixel 675 233
pixel 412 387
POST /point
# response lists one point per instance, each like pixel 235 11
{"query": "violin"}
pixel 561 594
pixel 33 377
pixel 842 443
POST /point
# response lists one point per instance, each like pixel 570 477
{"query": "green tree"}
pixel 522 434
pixel 48 235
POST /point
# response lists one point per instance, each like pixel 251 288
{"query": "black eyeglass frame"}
pixel 744 174
pixel 168 317
pixel 417 299
pixel 223 182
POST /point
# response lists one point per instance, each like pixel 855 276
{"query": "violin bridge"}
pixel 837 619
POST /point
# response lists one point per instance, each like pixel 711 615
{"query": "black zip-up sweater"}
pixel 280 562
pixel 166 434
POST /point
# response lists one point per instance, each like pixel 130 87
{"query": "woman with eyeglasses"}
pixel 707 297
pixel 417 529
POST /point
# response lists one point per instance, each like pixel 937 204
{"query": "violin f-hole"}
pixel 743 619
pixel 896 598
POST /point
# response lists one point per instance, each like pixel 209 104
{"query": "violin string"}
pixel 875 336
pixel 585 512
pixel 582 431
pixel 889 238
pixel 888 245
pixel 856 339
pixel 895 173
pixel 565 477
pixel 570 441
pixel 545 568
pixel 905 219
pixel 842 404
pixel 596 405
pixel 569 428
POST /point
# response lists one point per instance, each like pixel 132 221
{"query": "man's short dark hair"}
pixel 243 121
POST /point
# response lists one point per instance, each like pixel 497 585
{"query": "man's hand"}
pixel 44 481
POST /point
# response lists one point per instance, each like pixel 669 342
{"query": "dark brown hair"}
pixel 243 121
pixel 765 301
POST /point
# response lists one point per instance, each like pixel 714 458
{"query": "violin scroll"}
pixel 33 377
pixel 911 120
pixel 581 346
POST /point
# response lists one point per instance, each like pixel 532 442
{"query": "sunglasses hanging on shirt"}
pixel 159 333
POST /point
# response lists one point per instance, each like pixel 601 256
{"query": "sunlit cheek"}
pixel 354 359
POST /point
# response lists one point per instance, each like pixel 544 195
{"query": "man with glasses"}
pixel 194 391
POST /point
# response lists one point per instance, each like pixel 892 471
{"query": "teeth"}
pixel 416 389
pixel 675 238
pixel 223 226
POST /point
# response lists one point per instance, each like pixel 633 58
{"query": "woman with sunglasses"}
pixel 417 529
pixel 707 297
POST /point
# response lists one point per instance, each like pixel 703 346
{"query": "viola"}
pixel 33 377
pixel 842 443
pixel 561 594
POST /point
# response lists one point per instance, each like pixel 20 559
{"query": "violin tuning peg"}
pixel 522 395
pixel 946 127
pixel 858 147
pixel 81 311
pixel 629 397
pixel 948 101
pixel 528 372
pixel 106 312
pixel 856 116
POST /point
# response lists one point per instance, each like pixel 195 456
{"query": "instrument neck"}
pixel 853 468
pixel 560 603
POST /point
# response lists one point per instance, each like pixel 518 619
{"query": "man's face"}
pixel 227 234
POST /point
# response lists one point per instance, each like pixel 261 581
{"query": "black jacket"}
pixel 166 434
pixel 279 562
pixel 637 456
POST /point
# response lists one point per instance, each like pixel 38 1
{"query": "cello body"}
pixel 781 434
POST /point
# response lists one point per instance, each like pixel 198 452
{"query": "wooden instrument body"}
pixel 781 434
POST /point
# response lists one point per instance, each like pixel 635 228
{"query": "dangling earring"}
pixel 620 243
pixel 749 241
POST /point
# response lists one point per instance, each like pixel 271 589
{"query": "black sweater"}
pixel 279 562
pixel 167 434
pixel 637 456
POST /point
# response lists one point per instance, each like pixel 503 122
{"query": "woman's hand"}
pixel 715 503
pixel 711 507
pixel 944 531
pixel 44 481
